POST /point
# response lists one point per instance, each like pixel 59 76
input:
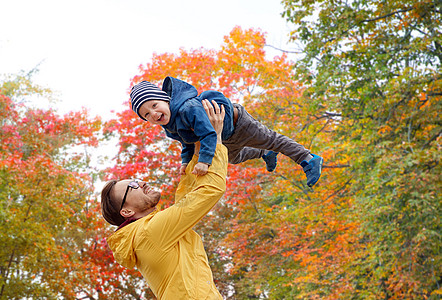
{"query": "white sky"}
pixel 90 49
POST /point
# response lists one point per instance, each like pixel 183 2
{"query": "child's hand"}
pixel 183 169
pixel 200 169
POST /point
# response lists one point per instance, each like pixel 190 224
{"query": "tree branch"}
pixel 433 138
pixel 386 16
pixel 340 189
pixel 371 20
pixel 335 166
pixel 285 51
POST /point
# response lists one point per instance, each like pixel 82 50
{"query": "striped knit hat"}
pixel 146 91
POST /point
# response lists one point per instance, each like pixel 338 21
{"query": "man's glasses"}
pixel 134 184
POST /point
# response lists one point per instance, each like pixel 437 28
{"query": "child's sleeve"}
pixel 187 153
pixel 188 150
pixel 198 120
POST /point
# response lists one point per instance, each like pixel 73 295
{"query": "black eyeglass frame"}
pixel 133 185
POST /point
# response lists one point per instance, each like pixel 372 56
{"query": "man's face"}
pixel 156 112
pixel 138 199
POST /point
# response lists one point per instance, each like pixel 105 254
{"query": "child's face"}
pixel 156 112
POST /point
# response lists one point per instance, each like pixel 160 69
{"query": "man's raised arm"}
pixel 217 120
pixel 196 195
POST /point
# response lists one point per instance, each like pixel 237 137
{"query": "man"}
pixel 162 244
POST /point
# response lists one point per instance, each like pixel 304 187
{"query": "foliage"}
pixel 44 189
pixel 19 86
pixel 368 103
pixel 254 241
pixel 53 234
pixel 378 65
pixel 365 95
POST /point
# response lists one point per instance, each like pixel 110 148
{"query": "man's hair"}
pixel 110 207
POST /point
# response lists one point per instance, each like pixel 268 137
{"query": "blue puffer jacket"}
pixel 189 122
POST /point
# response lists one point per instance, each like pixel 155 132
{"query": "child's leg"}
pixel 251 133
pixel 239 155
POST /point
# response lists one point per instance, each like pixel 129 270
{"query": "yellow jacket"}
pixel 163 246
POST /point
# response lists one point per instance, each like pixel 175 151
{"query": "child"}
pixel 179 110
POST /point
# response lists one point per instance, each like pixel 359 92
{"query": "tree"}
pixel 44 188
pixel 377 64
pixel 255 243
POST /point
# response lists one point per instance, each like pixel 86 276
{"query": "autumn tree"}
pixel 45 186
pixel 256 237
pixel 377 65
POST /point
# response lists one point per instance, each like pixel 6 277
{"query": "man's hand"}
pixel 216 117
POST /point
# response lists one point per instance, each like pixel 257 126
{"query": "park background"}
pixel 358 82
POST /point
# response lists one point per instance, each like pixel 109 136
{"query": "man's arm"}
pixel 187 178
pixel 197 197
pixel 217 121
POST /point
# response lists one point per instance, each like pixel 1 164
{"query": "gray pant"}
pixel 251 139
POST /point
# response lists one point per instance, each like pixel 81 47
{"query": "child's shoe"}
pixel 271 160
pixel 312 169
